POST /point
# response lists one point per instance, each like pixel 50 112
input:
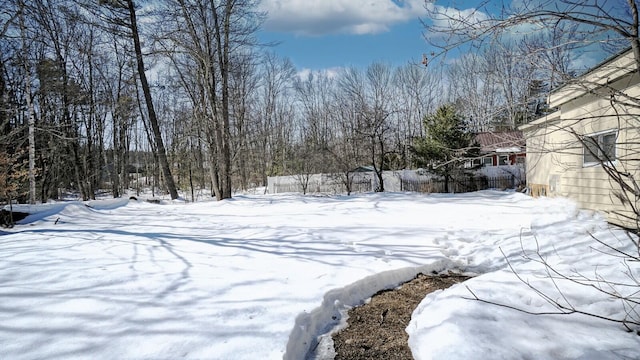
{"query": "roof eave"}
pixel 601 75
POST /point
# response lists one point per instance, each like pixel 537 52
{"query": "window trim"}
pixel 599 136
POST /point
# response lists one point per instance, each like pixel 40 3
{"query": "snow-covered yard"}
pixel 261 277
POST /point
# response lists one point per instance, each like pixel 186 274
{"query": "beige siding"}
pixel 555 155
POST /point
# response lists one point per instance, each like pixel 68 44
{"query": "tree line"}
pixel 181 95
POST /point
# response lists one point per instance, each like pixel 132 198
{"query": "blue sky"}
pixel 332 34
pixel 328 34
pixel 403 43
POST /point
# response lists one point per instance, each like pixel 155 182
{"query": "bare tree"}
pixel 612 23
pixel 244 86
pixel 214 34
pixel 153 118
pixel 514 76
pixel 314 96
pixel 474 89
pixel 349 149
pixel 54 30
pixel 417 93
pixel 275 117
pixel 13 172
pixel 370 93
pixel 30 109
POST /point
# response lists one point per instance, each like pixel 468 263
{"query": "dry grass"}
pixel 377 330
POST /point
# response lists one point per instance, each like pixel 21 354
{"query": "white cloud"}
pixel 321 17
pixel 330 73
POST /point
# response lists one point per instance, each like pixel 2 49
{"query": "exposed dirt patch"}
pixel 377 330
pixel 8 218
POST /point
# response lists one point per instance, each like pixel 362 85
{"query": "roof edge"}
pixel 607 71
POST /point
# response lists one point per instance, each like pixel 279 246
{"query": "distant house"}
pixel 501 148
pixel 502 155
pixel 595 130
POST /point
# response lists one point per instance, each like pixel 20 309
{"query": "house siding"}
pixel 555 155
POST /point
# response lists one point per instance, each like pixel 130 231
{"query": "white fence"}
pixel 320 183
pixel 508 176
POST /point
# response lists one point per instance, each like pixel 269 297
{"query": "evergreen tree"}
pixel 446 145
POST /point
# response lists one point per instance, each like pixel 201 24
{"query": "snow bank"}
pixel 39 212
pixel 562 237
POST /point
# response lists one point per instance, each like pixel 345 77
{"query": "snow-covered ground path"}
pixel 260 277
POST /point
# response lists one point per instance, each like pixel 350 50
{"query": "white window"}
pixel 599 147
pixel 473 163
pixel 503 160
pixel 487 161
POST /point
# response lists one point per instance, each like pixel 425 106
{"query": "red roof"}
pixel 491 141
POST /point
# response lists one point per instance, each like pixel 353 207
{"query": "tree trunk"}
pixel 222 42
pixel 32 142
pixel 377 170
pixel 115 168
pixel 30 109
pixel 153 119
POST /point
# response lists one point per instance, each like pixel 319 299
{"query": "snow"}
pixel 268 276
pixel 513 149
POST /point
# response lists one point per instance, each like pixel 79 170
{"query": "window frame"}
pixel 598 140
